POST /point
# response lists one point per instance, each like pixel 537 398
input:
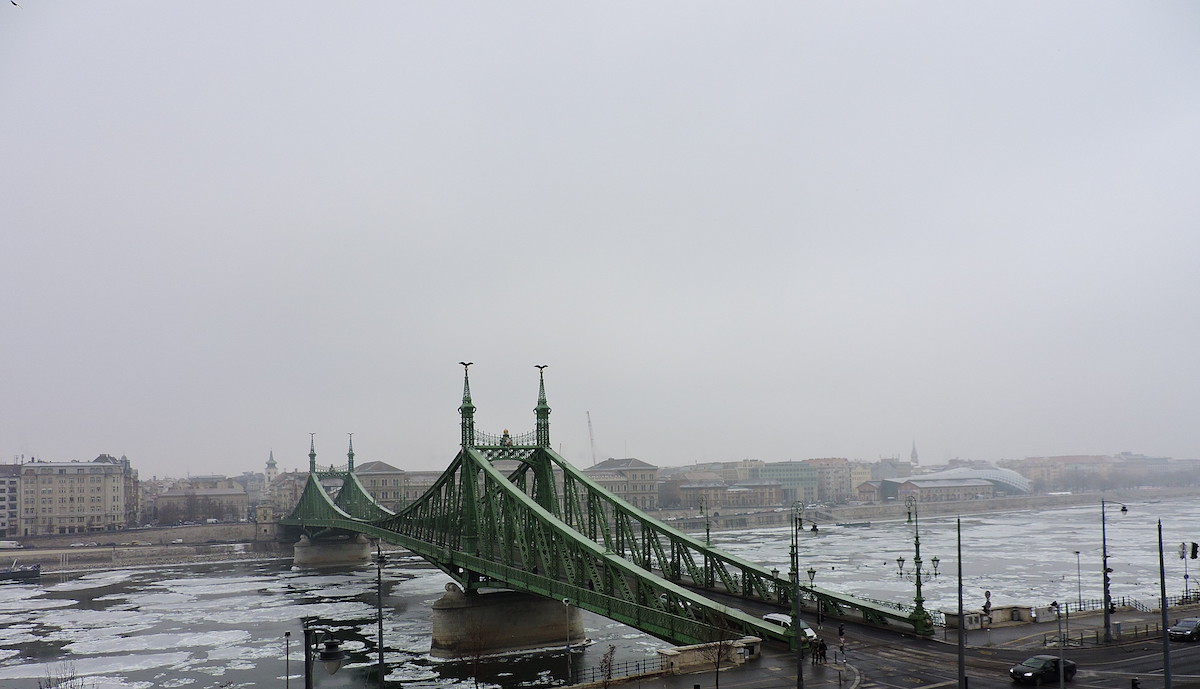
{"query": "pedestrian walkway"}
pixel 776 667
pixel 1077 630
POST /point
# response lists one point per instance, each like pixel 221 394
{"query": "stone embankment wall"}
pixel 102 557
pixel 198 533
pixel 741 518
pixel 201 543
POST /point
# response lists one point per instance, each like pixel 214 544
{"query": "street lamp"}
pixel 567 607
pixel 936 561
pixel 900 565
pixel 380 561
pixel 1079 585
pixel 332 656
pixel 1183 556
pixel 812 575
pixel 1061 662
pixel 707 523
pixel 1109 607
pixel 921 623
pixel 797 525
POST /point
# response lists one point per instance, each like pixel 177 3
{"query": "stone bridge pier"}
pixel 466 625
pixel 354 551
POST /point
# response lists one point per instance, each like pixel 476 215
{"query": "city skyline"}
pixel 774 231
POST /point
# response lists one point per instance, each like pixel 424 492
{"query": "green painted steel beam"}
pixel 488 530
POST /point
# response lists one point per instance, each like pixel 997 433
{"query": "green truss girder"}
pixel 580 543
pixel 355 500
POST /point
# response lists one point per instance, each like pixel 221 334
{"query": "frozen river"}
pixel 222 625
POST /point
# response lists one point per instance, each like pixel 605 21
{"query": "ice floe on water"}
pixel 34 604
pixel 93 580
pixel 96 619
pixel 213 625
pixel 120 665
pixel 148 642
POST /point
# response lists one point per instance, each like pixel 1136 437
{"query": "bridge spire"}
pixel 542 410
pixel 350 455
pixel 467 409
pixel 312 453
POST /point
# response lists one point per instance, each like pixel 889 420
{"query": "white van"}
pixel 786 621
pixel 10 545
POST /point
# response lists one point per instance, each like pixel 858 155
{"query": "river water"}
pixel 223 624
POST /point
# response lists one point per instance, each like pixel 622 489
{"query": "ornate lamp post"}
pixel 567 607
pixel 797 525
pixel 1106 570
pixel 380 561
pixel 812 574
pixel 332 656
pixel 1078 584
pixel 1061 662
pixel 921 623
pixel 1187 594
pixel 707 522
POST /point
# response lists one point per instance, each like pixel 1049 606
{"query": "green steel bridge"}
pixel 546 528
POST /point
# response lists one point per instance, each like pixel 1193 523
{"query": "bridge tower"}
pixel 468 479
pixel 545 488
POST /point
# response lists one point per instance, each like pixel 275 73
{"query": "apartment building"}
pixel 9 500
pixel 632 480
pixel 77 497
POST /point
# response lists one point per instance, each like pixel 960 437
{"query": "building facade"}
pixel 201 498
pixel 386 484
pixel 10 498
pixel 78 497
pixel 632 480
pixel 799 480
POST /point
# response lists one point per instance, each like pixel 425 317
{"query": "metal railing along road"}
pixel 628 668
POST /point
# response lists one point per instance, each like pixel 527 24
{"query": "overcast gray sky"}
pixel 733 230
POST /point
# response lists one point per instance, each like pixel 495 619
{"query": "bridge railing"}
pixel 484 438
pixel 621 670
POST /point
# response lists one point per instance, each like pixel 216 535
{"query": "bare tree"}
pixel 64 677
pixel 606 666
pixel 720 650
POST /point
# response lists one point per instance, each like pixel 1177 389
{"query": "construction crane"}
pixel 591 438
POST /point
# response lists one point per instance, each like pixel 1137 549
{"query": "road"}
pixel 881 659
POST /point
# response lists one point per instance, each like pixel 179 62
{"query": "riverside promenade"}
pixel 776 667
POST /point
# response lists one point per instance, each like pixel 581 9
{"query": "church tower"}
pixel 915 460
pixel 272 469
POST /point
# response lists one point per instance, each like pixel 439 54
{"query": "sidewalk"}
pixel 773 668
pixel 777 667
pixel 1086 630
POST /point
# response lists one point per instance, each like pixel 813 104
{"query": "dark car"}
pixel 1187 629
pixel 1041 670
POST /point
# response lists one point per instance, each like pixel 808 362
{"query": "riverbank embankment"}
pixel 223 542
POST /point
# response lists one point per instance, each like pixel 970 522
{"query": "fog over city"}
pixel 773 231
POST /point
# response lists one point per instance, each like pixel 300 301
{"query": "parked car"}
pixel 786 621
pixel 1041 669
pixel 1187 629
